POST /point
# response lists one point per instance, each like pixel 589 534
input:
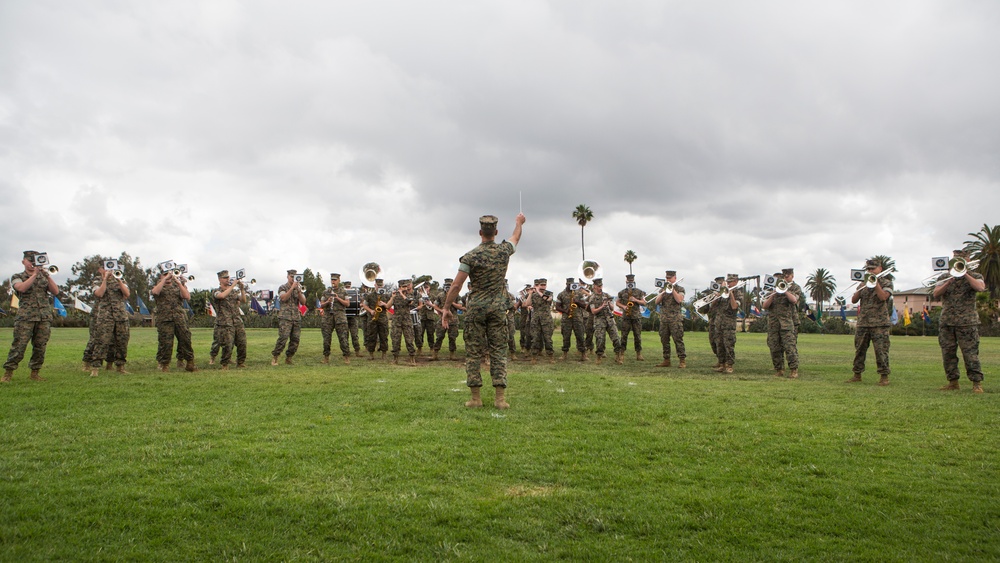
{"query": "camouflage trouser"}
pixel 328 327
pixel 352 329
pixel 541 333
pixel 402 328
pixel 783 344
pixel 288 331
pixel 601 325
pixel 215 345
pixel 427 326
pixel 672 329
pixel 725 345
pixel 951 338
pixel 525 331
pixel 570 328
pixel 452 331
pixel 377 334
pixel 226 336
pixel 91 341
pixel 510 333
pixel 166 331
pixel 485 334
pixel 36 332
pixel 879 337
pixel 713 336
pixel 588 331
pixel 635 327
pixel 112 340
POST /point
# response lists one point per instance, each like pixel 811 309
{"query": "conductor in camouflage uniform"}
pixel 629 300
pixel 782 335
pixel 401 302
pixel 570 304
pixel 112 322
pixel 229 331
pixel 171 321
pixel 377 311
pixel 725 329
pixel 601 309
pixel 671 320
pixel 33 322
pixel 873 323
pixel 334 304
pixel 960 324
pixel 542 327
pixel 291 294
pixel 486 267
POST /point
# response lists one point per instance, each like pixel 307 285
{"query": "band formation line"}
pixel 410 312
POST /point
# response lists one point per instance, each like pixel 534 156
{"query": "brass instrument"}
pixel 118 274
pixel 726 290
pixel 960 266
pixel 41 260
pixel 369 273
pixel 872 279
pixel 378 312
pixel 589 270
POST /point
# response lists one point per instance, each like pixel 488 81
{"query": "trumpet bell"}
pixel 959 267
pixel 369 273
pixel 781 286
pixel 118 274
pixel 53 269
pixel 589 270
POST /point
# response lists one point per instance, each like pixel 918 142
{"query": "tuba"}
pixel 589 270
pixel 369 273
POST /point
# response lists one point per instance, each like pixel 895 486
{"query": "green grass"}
pixel 379 462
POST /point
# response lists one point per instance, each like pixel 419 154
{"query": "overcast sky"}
pixel 708 137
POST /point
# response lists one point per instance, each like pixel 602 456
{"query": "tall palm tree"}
pixel 985 247
pixel 886 261
pixel 821 285
pixel 630 256
pixel 583 215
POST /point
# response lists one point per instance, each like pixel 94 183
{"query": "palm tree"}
pixel 985 247
pixel 821 286
pixel 583 215
pixel 886 261
pixel 630 256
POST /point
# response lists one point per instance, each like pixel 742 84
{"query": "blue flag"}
pixel 740 315
pixel 59 307
pixel 187 306
pixel 142 306
pixel 895 317
pixel 277 304
pixel 646 312
pixel 843 312
pixel 687 313
pixel 256 307
pixel 128 307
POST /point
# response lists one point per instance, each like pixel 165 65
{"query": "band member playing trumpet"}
pixel 292 295
pixel 334 303
pixel 960 324
pixel 378 320
pixel 171 321
pixel 229 331
pixel 33 322
pixel 725 330
pixel 541 321
pixel 671 320
pixel 782 335
pixel 112 323
pixel 601 305
pixel 570 304
pixel 401 302
pixel 873 322
pixel 629 300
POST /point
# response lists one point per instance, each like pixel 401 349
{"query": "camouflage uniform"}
pixel 452 329
pixel 873 328
pixel 171 322
pixel 588 328
pixel 604 322
pixel 378 329
pixel 572 319
pixel 402 324
pixel 289 323
pixel 229 331
pixel 725 329
pixel 960 329
pixel 33 322
pixel 524 318
pixel 672 325
pixel 88 352
pixel 486 322
pixel 112 330
pixel 541 323
pixel 631 321
pixel 512 304
pixel 782 334
pixel 429 320
pixel 335 319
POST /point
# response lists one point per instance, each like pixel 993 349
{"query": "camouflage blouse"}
pixel 289 309
pixel 486 265
pixel 872 311
pixel 958 303
pixel 34 303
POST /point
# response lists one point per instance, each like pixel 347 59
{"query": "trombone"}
pixel 957 268
pixel 872 279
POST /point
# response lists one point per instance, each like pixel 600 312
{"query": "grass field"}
pixel 606 463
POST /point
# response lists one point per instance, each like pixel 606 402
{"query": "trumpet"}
pixel 52 269
pixel 118 274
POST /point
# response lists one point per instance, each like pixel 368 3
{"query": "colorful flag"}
pixel 303 309
pixel 2 312
pixel 256 307
pixel 906 316
pixel 926 315
pixel 14 301
pixel 187 306
pixel 59 307
pixel 895 317
pixel 80 305
pixel 843 313
pixel 128 307
pixel 142 306
pixel 687 313
pixel 755 311
pixel 810 315
pixel 210 309
pixel 645 312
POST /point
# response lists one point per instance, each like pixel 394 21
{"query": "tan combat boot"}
pixel 288 360
pixel 638 357
pixel 274 360
pixel 598 360
pixel 683 363
pixel 621 358
pixel 211 360
pixel 434 355
pixel 7 374
pixel 583 356
pixel 977 387
pixel 163 367
pixel 794 374
pixel 34 375
pixel 180 363
pixel 951 386
pixel 94 372
pixel 565 356
pixel 717 366
pixel 729 368
pixel 371 355
pixel 225 367
pixel 779 373
pixel 395 359
pixel 476 400
pixel 121 369
pixel 347 360
pixel 86 366
pixel 720 368
pixel 189 366
pixel 883 381
pixel 326 359
pixel 664 364
pixel 855 379
pixel 241 366
pixel 499 401
pixel 413 360
pixel 383 355
pixel 552 358
pixel 451 356
pixel 534 359
pixel 420 351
